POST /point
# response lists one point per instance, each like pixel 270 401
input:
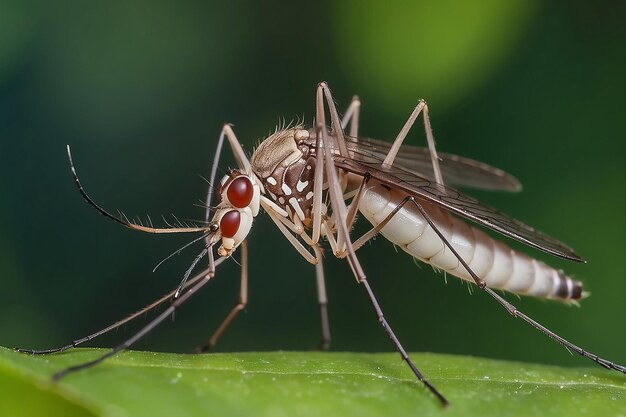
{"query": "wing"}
pixel 456 170
pixel 448 198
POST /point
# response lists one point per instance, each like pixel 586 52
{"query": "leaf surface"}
pixel 300 384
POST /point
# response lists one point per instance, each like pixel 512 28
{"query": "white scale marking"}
pixel 286 189
pixel 271 180
pixel 301 185
pixel 309 195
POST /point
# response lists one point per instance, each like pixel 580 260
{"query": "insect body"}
pixel 285 161
pixel 313 182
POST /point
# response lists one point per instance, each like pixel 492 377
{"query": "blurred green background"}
pixel 140 90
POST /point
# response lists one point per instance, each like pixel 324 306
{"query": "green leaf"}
pixel 299 384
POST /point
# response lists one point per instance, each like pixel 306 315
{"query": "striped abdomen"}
pixel 492 261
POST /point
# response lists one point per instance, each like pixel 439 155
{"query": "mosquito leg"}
pixel 511 308
pixel 287 228
pixel 322 299
pixel 213 175
pixel 290 231
pixel 295 226
pixel 241 303
pixel 354 204
pixel 352 116
pixel 421 107
pixel 431 146
pixel 350 219
pixel 338 204
pixel 154 304
pixel 324 92
pixel 278 221
pixel 240 156
pixel 141 333
pixel 318 182
pixel 340 252
pixel 397 143
pixel 321 139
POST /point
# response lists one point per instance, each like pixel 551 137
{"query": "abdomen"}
pixel 492 261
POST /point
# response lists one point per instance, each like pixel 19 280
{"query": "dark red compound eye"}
pixel 240 192
pixel 229 223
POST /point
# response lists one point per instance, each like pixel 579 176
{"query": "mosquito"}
pixel 314 182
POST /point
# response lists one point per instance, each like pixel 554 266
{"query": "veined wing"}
pixel 456 170
pixel 458 203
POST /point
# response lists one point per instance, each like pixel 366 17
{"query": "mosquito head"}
pixel 238 198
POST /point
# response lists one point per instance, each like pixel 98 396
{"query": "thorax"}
pixel 285 163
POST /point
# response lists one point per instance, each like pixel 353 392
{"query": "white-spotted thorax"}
pixel 285 163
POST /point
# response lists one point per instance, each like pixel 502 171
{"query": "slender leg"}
pixel 278 221
pixel 511 308
pixel 295 226
pixel 354 204
pixel 420 108
pixel 352 115
pixel 338 205
pixel 340 252
pixel 145 330
pixel 287 228
pixel 322 141
pixel 212 176
pixel 119 323
pixel 318 183
pixel 324 92
pixel 266 202
pixel 322 299
pixel 241 303
pixel 240 157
